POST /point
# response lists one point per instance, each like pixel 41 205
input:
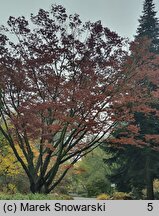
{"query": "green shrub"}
pixel 9 189
pixel 103 197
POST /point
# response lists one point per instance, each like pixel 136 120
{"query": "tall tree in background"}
pixel 149 25
pixel 139 167
pixel 149 28
pixel 143 162
pixel 138 111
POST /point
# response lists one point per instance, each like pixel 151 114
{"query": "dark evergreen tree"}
pixel 133 169
pixel 149 25
pixel 138 167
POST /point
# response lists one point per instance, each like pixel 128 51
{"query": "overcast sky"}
pixel 119 15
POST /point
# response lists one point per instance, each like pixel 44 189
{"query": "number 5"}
pixel 150 206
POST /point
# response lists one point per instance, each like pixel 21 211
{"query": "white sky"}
pixel 119 15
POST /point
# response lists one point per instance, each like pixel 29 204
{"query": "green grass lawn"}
pixel 31 196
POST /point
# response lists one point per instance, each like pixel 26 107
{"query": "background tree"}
pixel 57 84
pixel 129 168
pixel 9 167
pixel 140 129
pixel 149 25
pixel 143 175
pixel 89 175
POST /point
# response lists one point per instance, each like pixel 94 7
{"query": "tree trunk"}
pixel 149 180
pixel 38 188
pixel 150 192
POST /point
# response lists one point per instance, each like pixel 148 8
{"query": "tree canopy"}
pixel 57 78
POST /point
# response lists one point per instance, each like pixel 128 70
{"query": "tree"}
pixel 89 174
pixel 57 83
pixel 9 167
pixel 129 168
pixel 138 106
pixel 147 125
pixel 149 25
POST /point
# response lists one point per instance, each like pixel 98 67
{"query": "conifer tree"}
pixel 149 25
pixel 139 167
